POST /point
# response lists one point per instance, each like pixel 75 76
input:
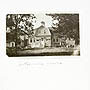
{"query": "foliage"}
pixel 67 25
pixel 20 21
pixel 16 23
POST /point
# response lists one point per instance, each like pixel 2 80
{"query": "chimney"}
pixel 43 23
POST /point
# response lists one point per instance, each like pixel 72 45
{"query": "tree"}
pixel 16 23
pixel 66 24
pixel 20 21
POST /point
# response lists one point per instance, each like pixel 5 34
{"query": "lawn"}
pixel 48 51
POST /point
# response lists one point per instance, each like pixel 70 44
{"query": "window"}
pixel 34 40
pixel 48 39
pixel 42 39
pixel 57 39
pixel 31 40
pixel 44 32
pixel 37 40
pixel 53 40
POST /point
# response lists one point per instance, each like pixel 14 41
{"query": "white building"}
pixel 41 37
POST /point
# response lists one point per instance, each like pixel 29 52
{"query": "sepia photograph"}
pixel 42 34
pixel 44 44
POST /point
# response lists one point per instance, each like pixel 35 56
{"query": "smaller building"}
pixel 14 39
pixel 59 40
pixel 10 44
pixel 10 40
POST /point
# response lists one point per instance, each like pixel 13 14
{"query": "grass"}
pixel 50 51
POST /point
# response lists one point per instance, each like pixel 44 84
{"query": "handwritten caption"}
pixel 39 63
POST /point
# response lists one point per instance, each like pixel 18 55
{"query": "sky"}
pixel 42 17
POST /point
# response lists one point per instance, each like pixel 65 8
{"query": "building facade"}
pixel 58 40
pixel 41 37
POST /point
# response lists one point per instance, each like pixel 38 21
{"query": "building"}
pixel 10 39
pixel 14 40
pixel 41 37
pixel 60 40
pixel 57 40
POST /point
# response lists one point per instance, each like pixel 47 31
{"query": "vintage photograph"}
pixel 42 34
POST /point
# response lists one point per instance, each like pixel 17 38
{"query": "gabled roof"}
pixel 42 31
